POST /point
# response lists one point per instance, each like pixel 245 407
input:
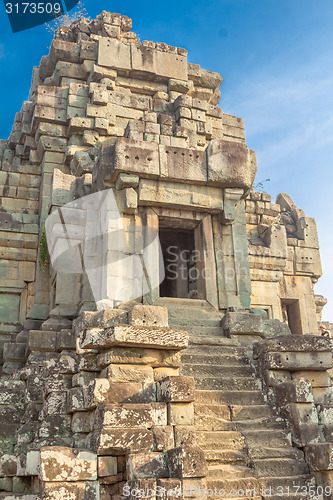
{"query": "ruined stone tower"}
pixel 158 322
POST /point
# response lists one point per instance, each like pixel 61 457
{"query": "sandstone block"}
pixel 104 318
pixel 187 462
pixel 139 356
pixel 147 465
pixel 182 164
pixel 176 389
pixel 42 340
pixel 317 379
pixel 144 487
pixel 185 435
pixel 82 422
pixel 102 391
pixel 8 465
pixel 298 391
pixel 163 437
pixel 113 441
pixel 168 488
pixel 296 361
pixel 303 420
pixel 240 323
pixel 180 413
pixel 297 343
pixel 58 463
pixel 135 336
pixel 320 456
pixel 70 491
pixel 230 164
pixel 107 466
pixel 142 315
pixel 127 180
pixel 163 372
pixel 128 373
pixel 130 415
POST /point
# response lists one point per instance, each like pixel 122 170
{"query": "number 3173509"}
pixel 33 8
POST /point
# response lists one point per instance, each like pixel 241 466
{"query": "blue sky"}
pixel 276 58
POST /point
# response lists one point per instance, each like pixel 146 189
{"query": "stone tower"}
pixel 129 235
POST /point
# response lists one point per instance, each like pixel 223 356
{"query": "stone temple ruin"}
pixel 122 376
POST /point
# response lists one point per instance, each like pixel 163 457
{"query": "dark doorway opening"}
pixel 291 315
pixel 179 257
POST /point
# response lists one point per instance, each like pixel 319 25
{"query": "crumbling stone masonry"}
pixel 212 382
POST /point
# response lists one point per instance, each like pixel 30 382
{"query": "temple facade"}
pixel 158 323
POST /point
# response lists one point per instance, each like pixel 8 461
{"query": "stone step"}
pixel 226 456
pixel 223 359
pixel 263 452
pixel 259 424
pixel 229 471
pixel 218 397
pixel 200 370
pixel 245 412
pixel 204 331
pixel 219 440
pixel 268 437
pixel 216 350
pixel 276 485
pixel 230 487
pixel 282 467
pixel 228 383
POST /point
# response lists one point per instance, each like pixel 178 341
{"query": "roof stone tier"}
pixel 100 82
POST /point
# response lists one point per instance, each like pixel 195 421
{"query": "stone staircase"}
pixel 247 446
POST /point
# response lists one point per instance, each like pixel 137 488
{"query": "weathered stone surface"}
pixel 298 391
pixel 176 389
pixel 185 435
pixel 162 372
pixel 146 487
pixel 317 379
pixel 303 420
pixel 102 391
pixel 230 164
pixel 320 456
pixel 42 340
pixel 296 361
pixel 128 373
pixel 242 323
pixel 8 465
pixel 139 356
pixel 180 413
pixel 142 315
pixel 66 464
pixel 168 488
pixel 135 336
pixel 107 466
pixel 120 441
pixel 70 491
pixel 131 415
pixel 296 343
pixel 186 462
pixel 147 465
pixel 163 437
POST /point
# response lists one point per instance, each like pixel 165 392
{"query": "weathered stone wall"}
pixel 91 401
pixel 284 259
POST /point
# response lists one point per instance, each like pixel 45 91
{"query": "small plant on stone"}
pixel 43 251
pixel 67 19
pixel 259 186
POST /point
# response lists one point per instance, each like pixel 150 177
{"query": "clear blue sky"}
pixel 276 58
